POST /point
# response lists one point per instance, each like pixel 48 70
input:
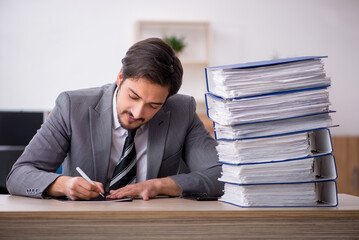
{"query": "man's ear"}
pixel 119 78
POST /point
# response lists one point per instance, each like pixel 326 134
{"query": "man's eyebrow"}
pixel 156 103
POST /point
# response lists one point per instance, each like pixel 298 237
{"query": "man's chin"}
pixel 130 126
pixel 130 123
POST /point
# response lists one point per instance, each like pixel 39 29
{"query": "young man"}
pixel 87 129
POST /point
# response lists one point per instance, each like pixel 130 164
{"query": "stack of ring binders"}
pixel 271 122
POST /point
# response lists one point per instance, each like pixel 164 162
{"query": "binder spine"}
pixel 206 73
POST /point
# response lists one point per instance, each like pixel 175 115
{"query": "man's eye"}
pixel 133 96
pixel 154 106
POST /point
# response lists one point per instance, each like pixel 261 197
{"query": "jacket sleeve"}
pixel 35 170
pixel 200 156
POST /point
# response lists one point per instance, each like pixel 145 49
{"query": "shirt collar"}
pixel 116 122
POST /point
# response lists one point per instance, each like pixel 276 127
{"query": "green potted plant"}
pixel 176 43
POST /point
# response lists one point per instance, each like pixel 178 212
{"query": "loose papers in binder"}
pixel 271 128
pixel 267 107
pixel 312 169
pixel 278 148
pixel 256 78
pixel 281 195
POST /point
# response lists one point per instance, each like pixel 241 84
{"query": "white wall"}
pixel 48 46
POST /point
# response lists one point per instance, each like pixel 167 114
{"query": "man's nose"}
pixel 138 110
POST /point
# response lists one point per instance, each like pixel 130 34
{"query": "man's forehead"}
pixel 145 89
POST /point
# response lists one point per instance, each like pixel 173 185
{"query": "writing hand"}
pixel 75 188
pixel 78 188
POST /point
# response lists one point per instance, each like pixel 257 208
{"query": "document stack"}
pixel 271 122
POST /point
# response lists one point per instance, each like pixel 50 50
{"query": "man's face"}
pixel 138 100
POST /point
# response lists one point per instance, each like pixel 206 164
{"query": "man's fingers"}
pixel 127 191
pixel 78 188
pixel 90 191
pixel 99 187
pixel 132 190
pixel 145 196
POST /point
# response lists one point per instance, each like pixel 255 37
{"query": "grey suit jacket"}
pixel 79 129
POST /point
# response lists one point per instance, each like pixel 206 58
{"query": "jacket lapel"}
pixel 101 133
pixel 158 128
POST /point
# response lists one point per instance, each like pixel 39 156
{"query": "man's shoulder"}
pixel 180 102
pixel 179 99
pixel 87 95
pixel 90 92
pixel 98 97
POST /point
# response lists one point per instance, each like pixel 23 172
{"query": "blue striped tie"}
pixel 125 171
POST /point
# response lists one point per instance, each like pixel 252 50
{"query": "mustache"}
pixel 130 113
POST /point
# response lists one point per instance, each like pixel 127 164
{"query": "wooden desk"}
pixel 172 218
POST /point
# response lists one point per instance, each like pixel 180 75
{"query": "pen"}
pixel 87 179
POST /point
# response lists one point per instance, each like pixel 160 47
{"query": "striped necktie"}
pixel 125 171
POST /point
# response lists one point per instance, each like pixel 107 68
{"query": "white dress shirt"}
pixel 119 135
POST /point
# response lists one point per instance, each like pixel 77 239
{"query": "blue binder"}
pixel 283 99
pixel 326 192
pixel 259 64
pixel 279 132
pixel 320 145
pixel 324 169
pixel 266 62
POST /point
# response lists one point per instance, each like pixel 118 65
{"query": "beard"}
pixel 127 124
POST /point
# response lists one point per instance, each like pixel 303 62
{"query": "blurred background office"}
pixel 49 46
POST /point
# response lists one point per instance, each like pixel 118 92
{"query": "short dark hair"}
pixel 154 60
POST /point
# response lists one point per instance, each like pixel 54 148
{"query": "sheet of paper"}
pixel 97 200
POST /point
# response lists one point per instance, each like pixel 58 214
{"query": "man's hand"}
pixel 148 189
pixel 75 188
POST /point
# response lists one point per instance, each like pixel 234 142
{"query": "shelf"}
pixel 196 35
